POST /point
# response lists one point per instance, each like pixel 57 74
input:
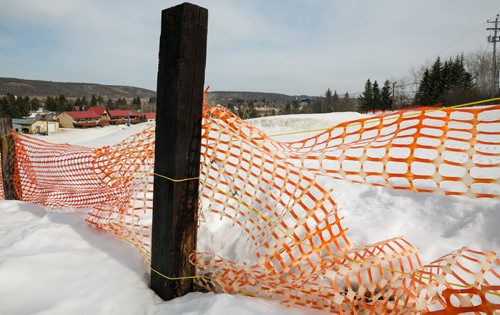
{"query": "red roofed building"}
pixel 149 117
pixel 122 116
pixel 92 117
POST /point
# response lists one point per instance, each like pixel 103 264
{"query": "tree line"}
pixel 245 109
pixel 12 106
pixel 440 84
pixel 326 103
pixel 330 102
pixel 443 82
pixel 446 83
pixel 373 98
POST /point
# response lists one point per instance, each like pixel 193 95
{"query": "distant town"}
pixel 42 122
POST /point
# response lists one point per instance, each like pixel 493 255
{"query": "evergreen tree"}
pixel 109 104
pixel 335 102
pixel 10 108
pixel 424 92
pixel 62 104
pixel 295 107
pixel 100 100
pixel 366 98
pixel 85 103
pixel 376 96
pixel 35 104
pixel 93 100
pixel 288 108
pixel 24 106
pixel 460 77
pixel 121 103
pixel 446 83
pixel 4 110
pixel 328 104
pixel 436 81
pixel 136 103
pixel 385 96
pixel 14 109
pixel 78 103
pixel 50 104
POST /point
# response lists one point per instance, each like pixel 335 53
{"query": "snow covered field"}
pixel 54 263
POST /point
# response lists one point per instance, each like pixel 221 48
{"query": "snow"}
pixel 94 137
pixel 53 262
pixel 436 224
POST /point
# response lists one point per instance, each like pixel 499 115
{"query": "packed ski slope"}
pixel 54 263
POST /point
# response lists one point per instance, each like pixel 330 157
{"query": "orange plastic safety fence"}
pixel 446 151
pixel 115 183
pixel 299 250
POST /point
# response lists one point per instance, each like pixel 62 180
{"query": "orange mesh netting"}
pixel 299 252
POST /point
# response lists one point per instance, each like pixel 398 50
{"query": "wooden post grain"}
pixel 181 75
pixel 7 152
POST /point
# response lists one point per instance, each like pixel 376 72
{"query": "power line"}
pixel 462 38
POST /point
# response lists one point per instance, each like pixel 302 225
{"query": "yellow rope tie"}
pixel 176 180
pixel 209 279
pixel 181 278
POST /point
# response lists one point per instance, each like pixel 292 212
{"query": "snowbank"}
pixel 55 263
pixel 52 262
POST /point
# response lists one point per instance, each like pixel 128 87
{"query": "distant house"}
pixel 34 126
pixel 122 116
pixel 103 114
pixel 149 117
pixel 92 117
pixel 306 101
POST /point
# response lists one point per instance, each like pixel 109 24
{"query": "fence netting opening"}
pixel 298 250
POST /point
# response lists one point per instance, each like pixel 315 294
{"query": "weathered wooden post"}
pixel 7 152
pixel 181 75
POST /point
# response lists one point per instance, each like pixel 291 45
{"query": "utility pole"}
pixel 494 39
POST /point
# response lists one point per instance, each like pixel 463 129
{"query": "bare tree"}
pixel 479 64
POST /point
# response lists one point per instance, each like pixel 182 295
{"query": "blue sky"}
pixel 291 47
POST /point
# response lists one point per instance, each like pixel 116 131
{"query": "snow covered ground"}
pixel 54 263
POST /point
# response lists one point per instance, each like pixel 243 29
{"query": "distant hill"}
pixel 77 89
pixel 223 97
pixel 69 89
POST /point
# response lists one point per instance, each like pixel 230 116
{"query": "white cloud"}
pixel 291 47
